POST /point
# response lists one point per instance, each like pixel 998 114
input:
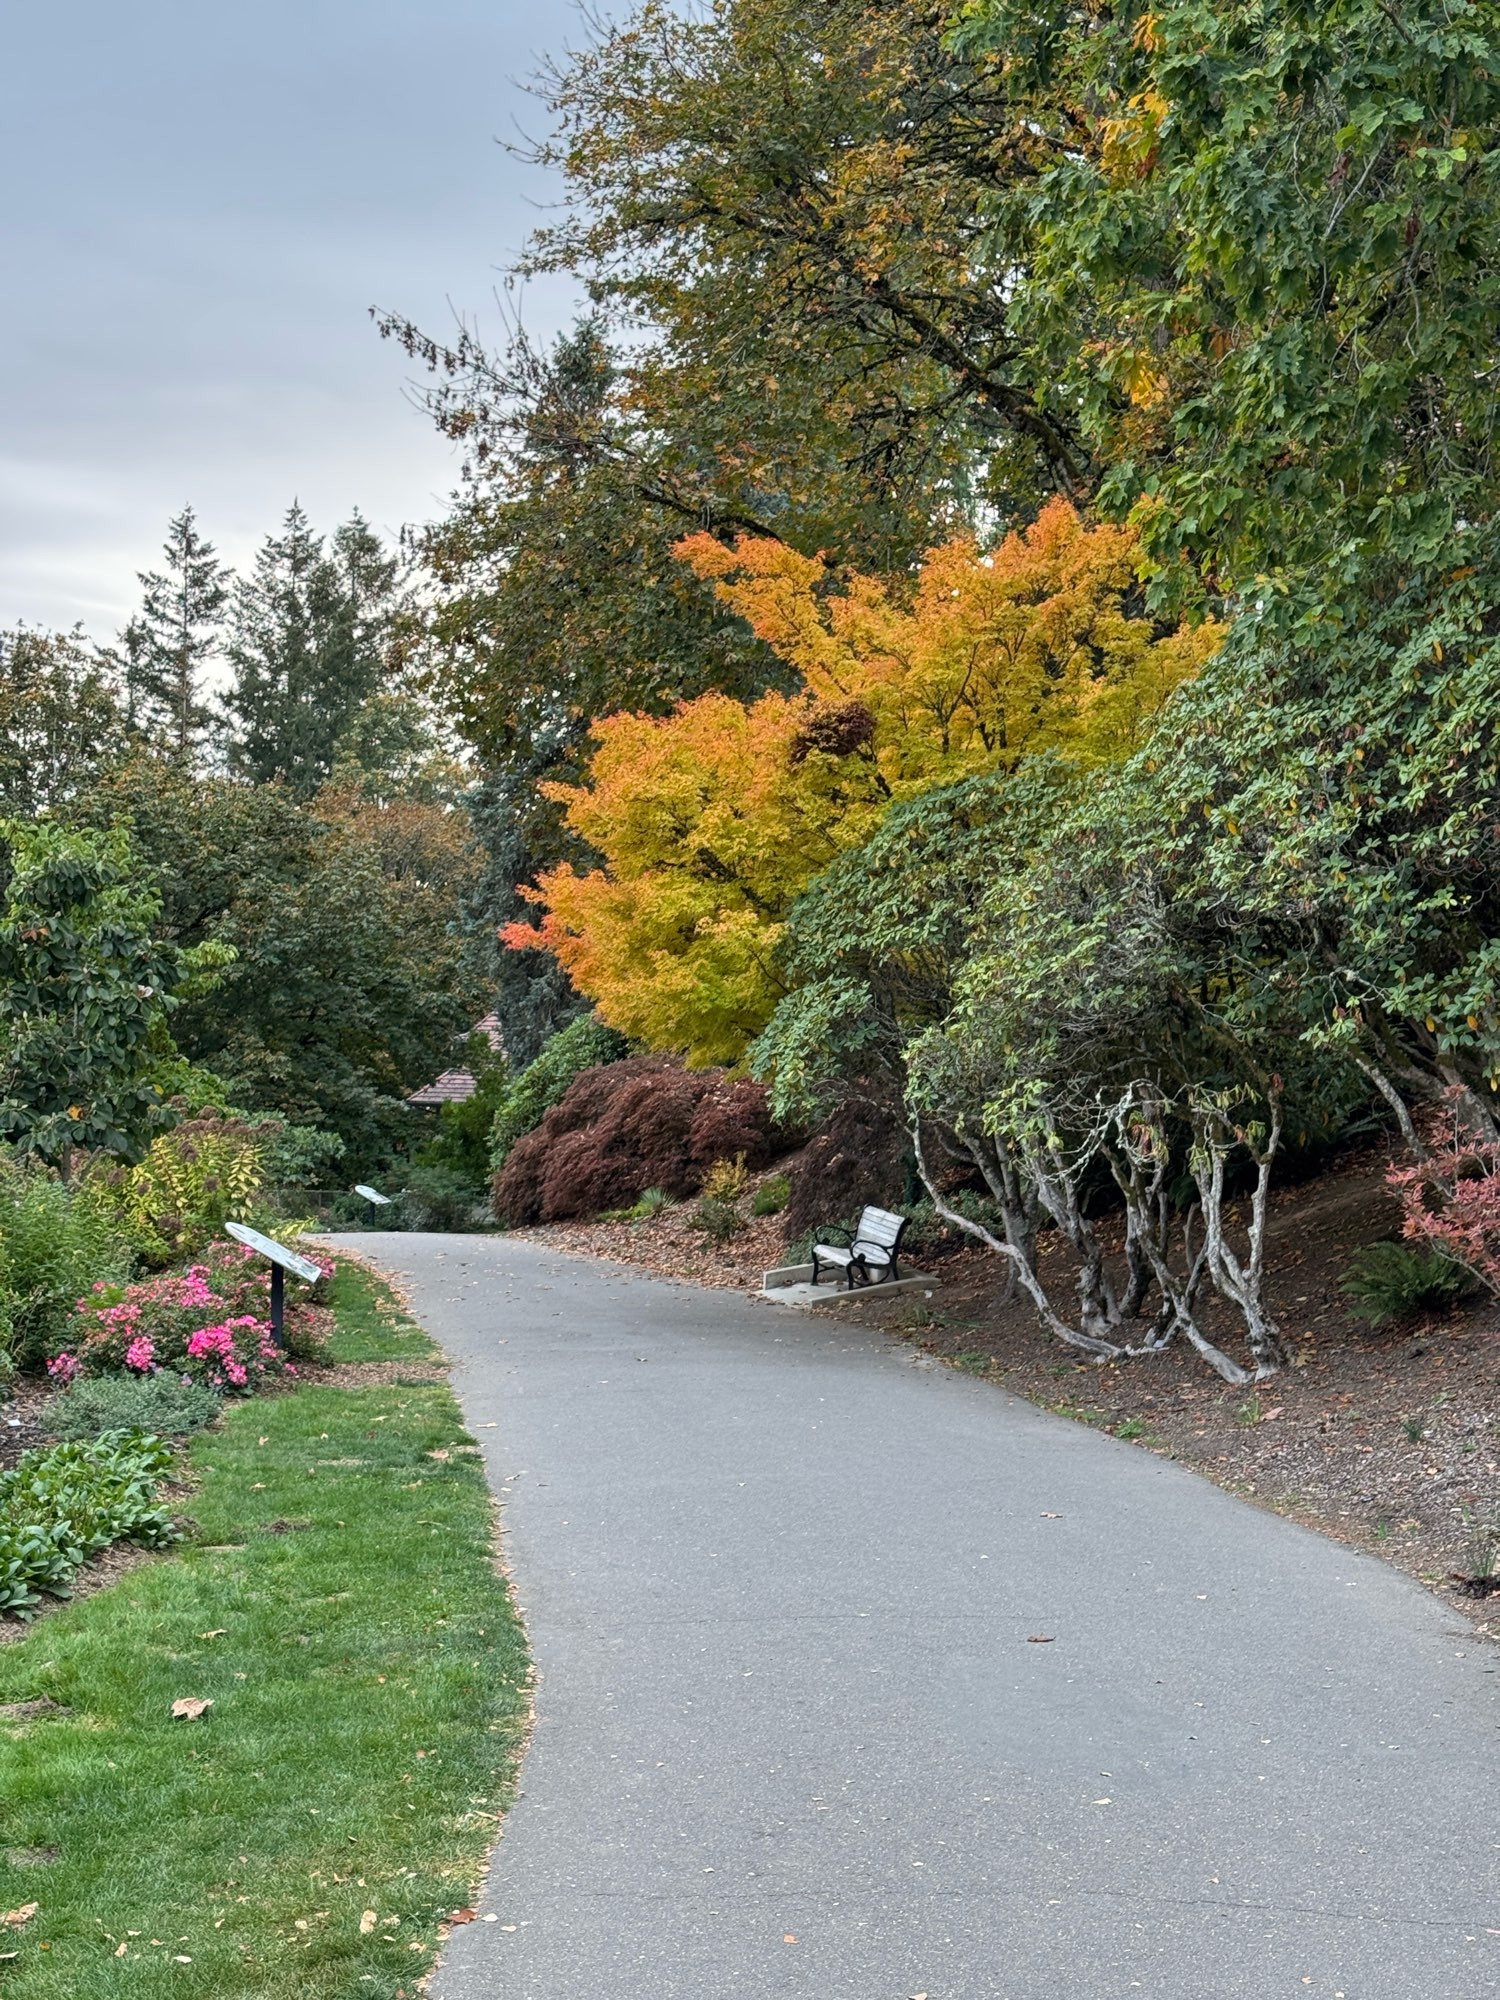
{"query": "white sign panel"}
pixel 267 1246
pixel 372 1194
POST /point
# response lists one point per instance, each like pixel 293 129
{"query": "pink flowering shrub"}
pixel 210 1322
pixel 1450 1202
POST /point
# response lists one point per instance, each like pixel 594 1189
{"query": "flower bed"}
pixel 210 1323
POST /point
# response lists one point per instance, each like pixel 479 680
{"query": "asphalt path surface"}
pixel 798 1737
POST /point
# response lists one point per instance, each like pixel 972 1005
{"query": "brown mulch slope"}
pixel 1387 1440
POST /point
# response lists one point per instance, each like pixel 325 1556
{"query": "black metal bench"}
pixel 867 1256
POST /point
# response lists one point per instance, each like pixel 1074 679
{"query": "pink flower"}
pixel 141 1354
pixel 63 1367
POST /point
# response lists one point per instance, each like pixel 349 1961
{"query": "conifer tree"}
pixel 166 648
pixel 309 630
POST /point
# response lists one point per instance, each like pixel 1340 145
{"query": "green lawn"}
pixel 339 1605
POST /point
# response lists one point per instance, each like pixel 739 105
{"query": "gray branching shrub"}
pixel 65 1502
pixel 163 1405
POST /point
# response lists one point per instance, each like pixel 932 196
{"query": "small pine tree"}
pixel 307 647
pixel 166 648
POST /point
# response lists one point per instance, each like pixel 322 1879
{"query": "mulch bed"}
pixel 1388 1440
pixel 23 1420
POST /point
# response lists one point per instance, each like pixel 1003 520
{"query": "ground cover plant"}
pixel 338 1604
pixel 163 1404
pixel 64 1503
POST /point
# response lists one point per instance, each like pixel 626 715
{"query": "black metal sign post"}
pixel 281 1261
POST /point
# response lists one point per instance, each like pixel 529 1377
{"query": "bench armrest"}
pixel 833 1231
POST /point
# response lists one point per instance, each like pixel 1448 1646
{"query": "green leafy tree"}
pixel 60 719
pixel 169 644
pixel 1259 254
pixel 307 642
pixel 86 980
pixel 347 988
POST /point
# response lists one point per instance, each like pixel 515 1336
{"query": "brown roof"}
pixel 457 1086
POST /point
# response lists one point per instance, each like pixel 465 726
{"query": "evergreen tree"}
pixel 310 626
pixel 167 646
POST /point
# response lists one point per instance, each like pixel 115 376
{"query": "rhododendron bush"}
pixel 211 1322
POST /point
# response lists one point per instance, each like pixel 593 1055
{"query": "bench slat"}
pixel 878 1225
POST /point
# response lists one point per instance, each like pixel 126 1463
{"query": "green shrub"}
pixel 201 1174
pixel 772 1196
pixel 63 1503
pixel 55 1241
pixel 438 1198
pixel 163 1404
pixel 718 1211
pixel 653 1202
pixel 583 1044
pixel 718 1220
pixel 1387 1281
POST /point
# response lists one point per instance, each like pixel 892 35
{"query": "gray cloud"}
pixel 203 202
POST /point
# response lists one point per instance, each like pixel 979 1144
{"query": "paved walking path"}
pixel 793 1741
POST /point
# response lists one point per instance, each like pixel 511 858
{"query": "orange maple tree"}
pixel 711 820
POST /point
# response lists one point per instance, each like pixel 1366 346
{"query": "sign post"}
pixel 281 1261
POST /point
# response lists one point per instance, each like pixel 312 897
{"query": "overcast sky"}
pixel 201 203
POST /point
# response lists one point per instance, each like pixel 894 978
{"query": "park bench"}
pixel 867 1256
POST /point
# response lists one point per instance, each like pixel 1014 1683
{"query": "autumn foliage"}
pixel 628 1126
pixel 711 820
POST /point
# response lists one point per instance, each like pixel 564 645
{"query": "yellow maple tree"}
pixel 713 819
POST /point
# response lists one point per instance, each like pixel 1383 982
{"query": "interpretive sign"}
pixel 372 1194
pixel 281 1260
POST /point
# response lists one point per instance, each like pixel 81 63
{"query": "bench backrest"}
pixel 880 1227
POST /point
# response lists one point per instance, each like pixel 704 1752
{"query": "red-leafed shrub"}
pixel 857 1156
pixel 1451 1200
pixel 628 1126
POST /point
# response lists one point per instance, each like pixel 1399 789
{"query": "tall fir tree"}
pixel 166 648
pixel 309 631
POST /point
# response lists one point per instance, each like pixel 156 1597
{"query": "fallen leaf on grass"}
pixel 438 1454
pixel 188 1707
pixel 217 1633
pixel 15 1918
pixel 121 1949
pixel 367 1923
pixel 1040 1638
pixel 461 1917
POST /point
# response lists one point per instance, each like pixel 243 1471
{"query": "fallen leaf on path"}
pixel 1052 1517
pixel 461 1917
pixel 1040 1638
pixel 1103 1802
pixel 789 1939
pixel 15 1918
pixel 188 1707
pixel 367 1923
